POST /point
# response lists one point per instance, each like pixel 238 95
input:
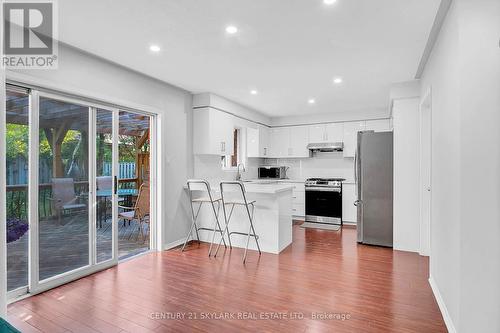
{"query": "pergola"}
pixel 57 118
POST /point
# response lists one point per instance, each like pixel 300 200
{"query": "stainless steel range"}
pixel 324 200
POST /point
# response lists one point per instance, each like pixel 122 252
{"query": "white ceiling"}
pixel 288 50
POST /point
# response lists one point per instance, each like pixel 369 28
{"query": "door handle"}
pixel 116 185
pixel 357 203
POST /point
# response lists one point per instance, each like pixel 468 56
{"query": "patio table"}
pixel 105 194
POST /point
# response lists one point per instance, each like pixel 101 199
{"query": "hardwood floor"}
pixel 370 289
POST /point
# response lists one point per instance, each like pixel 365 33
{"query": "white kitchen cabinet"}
pixel 212 132
pixel 333 132
pixel 349 211
pixel 253 142
pixel 299 138
pixel 298 200
pixel 289 142
pixel 317 133
pixel 264 141
pixel 258 141
pixel 379 125
pixel 280 141
pixel 351 130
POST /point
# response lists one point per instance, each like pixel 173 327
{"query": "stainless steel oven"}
pixel 324 200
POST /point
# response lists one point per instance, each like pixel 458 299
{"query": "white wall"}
pixel 479 30
pixel 441 74
pixel 99 78
pixel 463 73
pixel 406 174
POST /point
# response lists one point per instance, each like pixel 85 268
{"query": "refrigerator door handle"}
pixel 356 166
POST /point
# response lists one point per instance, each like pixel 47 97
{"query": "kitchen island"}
pixel 272 219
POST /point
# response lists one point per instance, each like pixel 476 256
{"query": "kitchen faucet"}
pixel 238 173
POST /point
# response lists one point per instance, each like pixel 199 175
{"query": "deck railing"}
pixel 17 197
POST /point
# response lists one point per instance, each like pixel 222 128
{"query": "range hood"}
pixel 326 147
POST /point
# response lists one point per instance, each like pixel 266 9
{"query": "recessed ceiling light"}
pixel 329 2
pixel 231 29
pixel 311 101
pixel 154 48
pixel 254 92
pixel 337 80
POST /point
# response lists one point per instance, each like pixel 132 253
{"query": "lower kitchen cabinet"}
pixel 349 211
pixel 298 200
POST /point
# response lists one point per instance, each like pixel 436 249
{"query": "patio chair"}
pixel 64 197
pixel 104 183
pixel 140 211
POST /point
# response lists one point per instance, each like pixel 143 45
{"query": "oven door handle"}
pixel 323 189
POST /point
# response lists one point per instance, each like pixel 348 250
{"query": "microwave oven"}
pixel 272 172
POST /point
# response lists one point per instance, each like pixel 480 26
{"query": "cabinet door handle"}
pixel 265 151
pixel 222 147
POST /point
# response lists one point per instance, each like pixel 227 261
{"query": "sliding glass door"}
pixel 63 190
pixel 105 172
pixel 78 188
pixel 17 134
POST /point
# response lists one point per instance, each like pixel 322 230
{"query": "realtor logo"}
pixel 29 35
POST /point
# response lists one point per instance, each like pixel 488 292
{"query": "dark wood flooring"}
pixel 356 288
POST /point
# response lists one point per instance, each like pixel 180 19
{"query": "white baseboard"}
pixel 442 306
pixel 173 244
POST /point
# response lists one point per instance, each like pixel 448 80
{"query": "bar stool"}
pixel 238 202
pixel 203 185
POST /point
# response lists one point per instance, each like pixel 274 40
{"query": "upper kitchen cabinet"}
pixel 299 138
pixel 333 132
pixel 258 142
pixel 317 133
pixel 280 141
pixel 351 130
pixel 379 125
pixel 289 142
pixel 212 132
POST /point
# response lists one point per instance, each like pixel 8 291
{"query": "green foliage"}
pixel 17 141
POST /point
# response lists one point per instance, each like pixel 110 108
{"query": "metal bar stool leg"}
pixel 253 230
pixel 216 225
pixel 219 226
pixel 248 241
pixel 193 225
pixel 226 229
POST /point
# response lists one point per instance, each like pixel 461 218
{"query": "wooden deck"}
pixel 64 247
pixel 358 288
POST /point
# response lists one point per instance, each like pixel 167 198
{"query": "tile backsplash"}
pixel 321 165
pixel 327 165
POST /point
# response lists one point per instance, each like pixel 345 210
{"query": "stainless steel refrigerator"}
pixel 374 187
